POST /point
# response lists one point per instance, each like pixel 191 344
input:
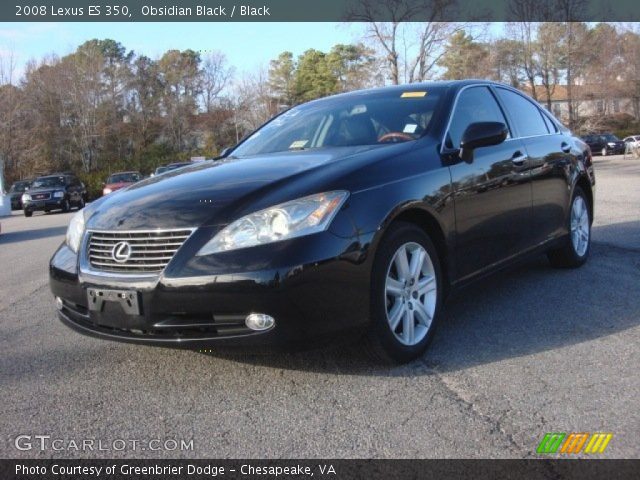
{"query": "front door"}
pixel 492 193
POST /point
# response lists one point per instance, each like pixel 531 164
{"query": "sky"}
pixel 247 46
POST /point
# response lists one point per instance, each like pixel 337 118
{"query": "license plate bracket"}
pixel 129 300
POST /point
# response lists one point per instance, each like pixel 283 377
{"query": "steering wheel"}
pixel 395 136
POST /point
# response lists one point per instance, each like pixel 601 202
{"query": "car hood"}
pixel 205 194
pixel 34 191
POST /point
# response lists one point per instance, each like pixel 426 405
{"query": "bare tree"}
pixel 549 58
pixel 215 77
pixel 407 60
pixel 252 103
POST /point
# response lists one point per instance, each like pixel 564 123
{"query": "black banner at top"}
pixel 317 10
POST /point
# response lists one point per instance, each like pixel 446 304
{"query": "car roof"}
pixel 440 84
pixel 53 175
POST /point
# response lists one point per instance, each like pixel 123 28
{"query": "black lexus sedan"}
pixel 353 214
pixel 59 191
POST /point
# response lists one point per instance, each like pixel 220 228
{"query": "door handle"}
pixel 518 158
pixel 565 147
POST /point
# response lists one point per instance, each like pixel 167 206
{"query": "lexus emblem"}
pixel 121 252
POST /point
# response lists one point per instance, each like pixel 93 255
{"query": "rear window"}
pixel 609 137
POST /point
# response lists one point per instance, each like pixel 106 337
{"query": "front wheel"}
pixel 576 249
pixel 66 206
pixel 406 294
pixel 604 152
pixel 28 213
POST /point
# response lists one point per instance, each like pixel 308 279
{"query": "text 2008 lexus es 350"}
pixel 353 213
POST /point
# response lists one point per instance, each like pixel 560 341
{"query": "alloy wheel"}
pixel 579 226
pixel 411 293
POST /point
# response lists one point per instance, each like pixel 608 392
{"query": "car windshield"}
pixel 347 121
pixel 48 182
pixel 19 187
pixel 609 137
pixel 124 178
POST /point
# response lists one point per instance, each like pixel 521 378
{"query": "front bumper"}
pixel 616 149
pixel 315 287
pixel 44 205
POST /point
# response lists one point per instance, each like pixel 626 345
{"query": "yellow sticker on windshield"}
pixel 298 144
pixel 413 94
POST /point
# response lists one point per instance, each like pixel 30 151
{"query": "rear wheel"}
pixel 576 249
pixel 406 294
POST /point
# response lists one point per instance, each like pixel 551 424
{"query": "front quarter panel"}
pixel 382 192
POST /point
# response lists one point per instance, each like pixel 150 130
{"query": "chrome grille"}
pixel 41 196
pixel 150 252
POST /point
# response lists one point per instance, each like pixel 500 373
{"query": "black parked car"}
pixel 16 191
pixel 605 144
pixel 354 213
pixel 58 191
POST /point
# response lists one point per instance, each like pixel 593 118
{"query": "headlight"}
pixel 106 191
pixel 58 194
pixel 75 231
pixel 288 220
pixel 611 144
pixel 26 197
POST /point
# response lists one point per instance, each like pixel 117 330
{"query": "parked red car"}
pixel 119 180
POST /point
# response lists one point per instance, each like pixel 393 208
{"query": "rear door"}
pixel 549 156
pixel 492 194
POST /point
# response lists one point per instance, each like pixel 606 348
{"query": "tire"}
pixel 408 308
pixel 28 213
pixel 66 206
pixel 81 204
pixel 604 152
pixel 575 251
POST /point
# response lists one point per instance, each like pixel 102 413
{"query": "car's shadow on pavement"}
pixel 529 309
pixel 25 235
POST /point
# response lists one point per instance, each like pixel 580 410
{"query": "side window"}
pixel 551 127
pixel 475 104
pixel 526 116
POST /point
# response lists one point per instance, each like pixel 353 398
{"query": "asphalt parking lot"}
pixel 529 351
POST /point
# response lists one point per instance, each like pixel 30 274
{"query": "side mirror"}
pixel 481 134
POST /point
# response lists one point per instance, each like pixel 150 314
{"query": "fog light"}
pixel 59 303
pixel 259 321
